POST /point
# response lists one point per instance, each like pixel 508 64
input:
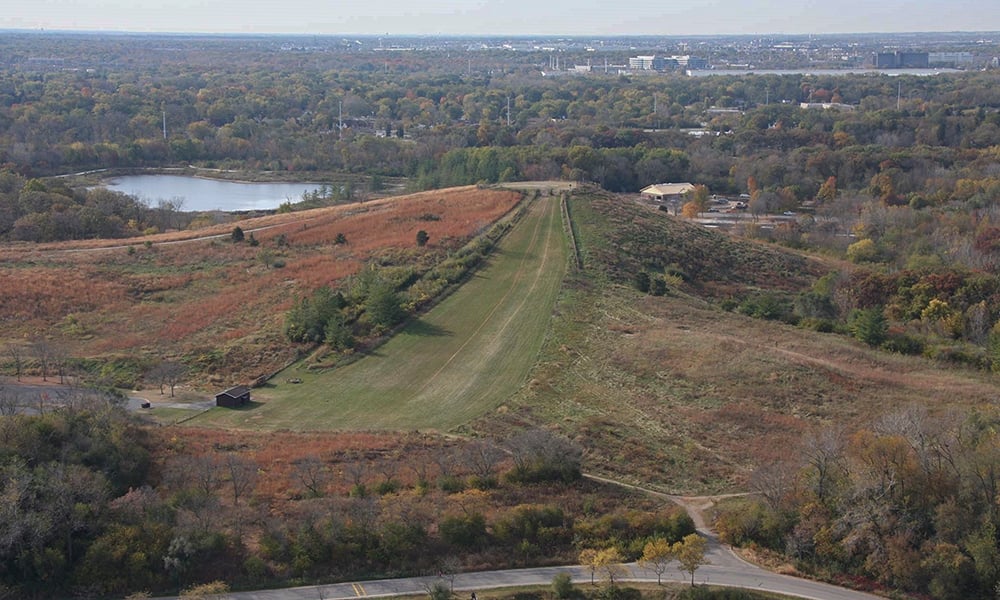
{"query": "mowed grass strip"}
pixel 457 362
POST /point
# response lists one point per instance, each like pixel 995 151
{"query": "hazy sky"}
pixel 485 17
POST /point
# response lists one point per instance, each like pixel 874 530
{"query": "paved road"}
pixel 743 575
pixel 725 568
pixel 31 398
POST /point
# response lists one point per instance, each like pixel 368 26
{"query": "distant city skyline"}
pixel 507 17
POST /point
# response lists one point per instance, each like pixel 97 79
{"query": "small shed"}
pixel 234 397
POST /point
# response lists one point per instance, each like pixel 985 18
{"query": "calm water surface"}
pixel 210 194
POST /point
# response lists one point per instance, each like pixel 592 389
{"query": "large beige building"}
pixel 666 191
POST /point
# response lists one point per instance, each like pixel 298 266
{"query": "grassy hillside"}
pixel 453 364
pixel 677 393
pixel 671 391
pixel 219 306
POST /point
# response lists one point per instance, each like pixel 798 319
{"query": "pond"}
pixel 198 194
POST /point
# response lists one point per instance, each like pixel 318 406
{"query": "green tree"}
pixel 869 325
pixel 267 257
pixel 562 586
pixel 422 238
pixel 237 234
pixel 862 251
pixel 384 306
pixel 438 590
pixel 464 531
pixel 641 281
pixel 337 332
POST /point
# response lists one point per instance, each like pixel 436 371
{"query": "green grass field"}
pixel 459 361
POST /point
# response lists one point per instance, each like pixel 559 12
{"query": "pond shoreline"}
pixel 230 175
pixel 193 192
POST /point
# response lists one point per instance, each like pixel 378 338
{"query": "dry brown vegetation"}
pixel 679 394
pixel 220 304
pixel 402 475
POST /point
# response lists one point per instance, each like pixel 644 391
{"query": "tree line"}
pixel 908 502
pixel 91 508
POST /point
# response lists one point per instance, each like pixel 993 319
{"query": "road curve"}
pixel 745 576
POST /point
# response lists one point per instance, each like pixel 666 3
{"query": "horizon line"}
pixel 43 30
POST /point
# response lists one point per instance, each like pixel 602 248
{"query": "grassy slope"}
pixel 192 297
pixel 679 394
pixel 459 361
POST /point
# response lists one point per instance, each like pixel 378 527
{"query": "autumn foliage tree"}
pixel 656 556
pixel 690 553
pixel 866 492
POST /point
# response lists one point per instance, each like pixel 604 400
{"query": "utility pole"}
pixel 508 111
pixel 340 119
pixel 164 109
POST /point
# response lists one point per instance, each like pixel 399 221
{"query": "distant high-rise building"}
pixel 660 63
pixel 900 60
pixel 690 62
pixel 950 59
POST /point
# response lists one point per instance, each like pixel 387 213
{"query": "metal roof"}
pixel 667 189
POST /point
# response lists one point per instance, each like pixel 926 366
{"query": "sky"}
pixel 505 17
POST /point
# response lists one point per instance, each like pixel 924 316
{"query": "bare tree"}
pixel 60 361
pixel 773 482
pixel 203 472
pixel 167 211
pixel 167 374
pixel 313 474
pixel 8 401
pixel 445 461
pixel 542 453
pixel 357 470
pixel 16 353
pixel 241 475
pixel 420 472
pixel 42 351
pixel 364 512
pixel 824 453
pixel 449 568
pixel 483 457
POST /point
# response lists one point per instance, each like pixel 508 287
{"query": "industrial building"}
pixel 662 63
pixel 901 60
